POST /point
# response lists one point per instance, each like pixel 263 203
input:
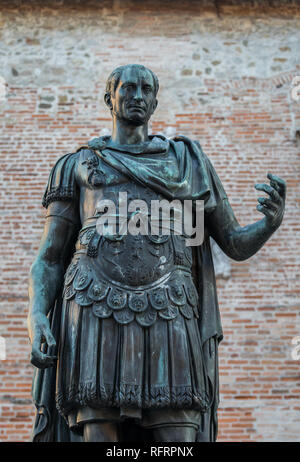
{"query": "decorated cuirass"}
pixel 127 276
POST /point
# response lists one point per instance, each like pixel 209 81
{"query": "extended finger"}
pixel 269 190
pixel 268 203
pixel 269 213
pixel 277 183
pixel 276 178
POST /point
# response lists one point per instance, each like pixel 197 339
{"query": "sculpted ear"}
pixel 107 100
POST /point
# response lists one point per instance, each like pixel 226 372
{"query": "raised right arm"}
pixel 47 275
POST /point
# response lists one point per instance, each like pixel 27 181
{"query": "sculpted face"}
pixel 134 100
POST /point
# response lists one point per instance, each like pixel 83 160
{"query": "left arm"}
pixel 238 242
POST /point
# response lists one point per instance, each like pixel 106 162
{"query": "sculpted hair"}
pixel 114 78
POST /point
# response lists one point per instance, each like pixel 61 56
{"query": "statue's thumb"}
pixel 49 338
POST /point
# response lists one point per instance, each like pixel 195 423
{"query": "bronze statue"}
pixel 125 328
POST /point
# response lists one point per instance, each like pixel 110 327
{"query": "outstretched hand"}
pixel 273 206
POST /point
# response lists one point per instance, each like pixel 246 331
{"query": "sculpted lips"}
pixel 136 106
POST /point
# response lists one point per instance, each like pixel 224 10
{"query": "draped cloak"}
pixel 197 180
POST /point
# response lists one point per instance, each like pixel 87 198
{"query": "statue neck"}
pixel 123 133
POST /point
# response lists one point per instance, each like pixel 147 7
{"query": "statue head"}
pixel 131 93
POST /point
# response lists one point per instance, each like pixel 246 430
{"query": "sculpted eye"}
pixel 147 88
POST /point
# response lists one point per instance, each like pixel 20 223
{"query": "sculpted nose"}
pixel 138 94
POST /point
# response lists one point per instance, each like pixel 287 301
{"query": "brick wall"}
pixel 225 70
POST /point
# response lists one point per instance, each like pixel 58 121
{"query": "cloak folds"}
pixel 197 180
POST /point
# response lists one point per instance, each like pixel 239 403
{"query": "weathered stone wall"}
pixel 226 71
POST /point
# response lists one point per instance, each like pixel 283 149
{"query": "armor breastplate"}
pixel 136 260
pixel 131 277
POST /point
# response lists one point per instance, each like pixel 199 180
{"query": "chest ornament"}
pixel 138 302
pixel 116 299
pixel 96 176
